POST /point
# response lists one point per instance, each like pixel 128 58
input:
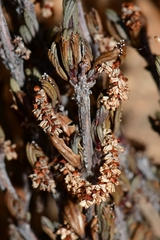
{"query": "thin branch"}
pixel 9 58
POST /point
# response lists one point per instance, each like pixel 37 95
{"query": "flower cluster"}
pixel 9 150
pixel 90 194
pixel 46 103
pixel 132 16
pixel 41 176
pixel 118 87
pixel 20 48
pixel 44 112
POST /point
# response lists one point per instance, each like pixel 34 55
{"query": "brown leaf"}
pixel 65 121
pixel 66 152
pixel 74 218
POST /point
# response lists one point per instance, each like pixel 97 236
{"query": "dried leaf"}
pixel 53 57
pixel 105 221
pixel 51 89
pixel 140 233
pixel 157 62
pixel 30 154
pixel 66 152
pixel 70 15
pixel 114 25
pixel 48 227
pixel 31 22
pixel 65 121
pixel 24 32
pixel 65 49
pixel 94 228
pixel 74 218
pixel 119 51
pixel 14 85
pixel 94 22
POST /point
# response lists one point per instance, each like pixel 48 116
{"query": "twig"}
pixel 9 58
pixel 82 91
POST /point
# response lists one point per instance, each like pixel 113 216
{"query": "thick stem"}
pixel 82 91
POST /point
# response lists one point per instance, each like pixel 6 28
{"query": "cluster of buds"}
pixel 118 90
pixel 9 150
pixel 20 49
pixel 109 63
pixel 7 147
pixel 52 121
pixel 43 109
pixel 88 193
pixel 40 177
pixel 109 170
pixel 40 162
pixel 74 50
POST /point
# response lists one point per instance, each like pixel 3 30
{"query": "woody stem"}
pixel 82 92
